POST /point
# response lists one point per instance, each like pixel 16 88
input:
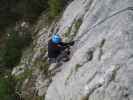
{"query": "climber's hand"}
pixel 72 43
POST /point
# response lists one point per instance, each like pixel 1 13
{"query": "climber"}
pixel 58 50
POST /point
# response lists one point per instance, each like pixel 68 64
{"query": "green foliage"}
pixel 12 52
pixel 55 8
pixel 42 65
pixel 6 89
pixel 68 32
pixel 34 97
pixel 30 8
pixel 39 98
pixel 14 10
pixel 69 75
pixel 77 67
pixel 4 92
pixel 78 24
pixel 27 74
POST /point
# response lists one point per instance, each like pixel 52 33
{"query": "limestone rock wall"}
pixel 101 65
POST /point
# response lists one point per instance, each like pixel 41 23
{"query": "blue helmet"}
pixel 56 39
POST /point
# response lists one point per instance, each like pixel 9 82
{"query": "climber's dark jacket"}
pixel 54 50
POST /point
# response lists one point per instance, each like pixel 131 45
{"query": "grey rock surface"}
pixel 101 67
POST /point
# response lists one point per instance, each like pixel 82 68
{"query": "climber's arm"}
pixel 67 44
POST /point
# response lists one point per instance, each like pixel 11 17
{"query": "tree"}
pixel 55 7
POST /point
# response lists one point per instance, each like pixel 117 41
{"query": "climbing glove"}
pixel 71 43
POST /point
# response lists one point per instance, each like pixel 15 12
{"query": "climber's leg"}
pixel 64 56
pixel 51 60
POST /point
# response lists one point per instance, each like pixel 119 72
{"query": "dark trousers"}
pixel 63 57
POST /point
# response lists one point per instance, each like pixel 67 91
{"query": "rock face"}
pixel 102 57
pixel 101 65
